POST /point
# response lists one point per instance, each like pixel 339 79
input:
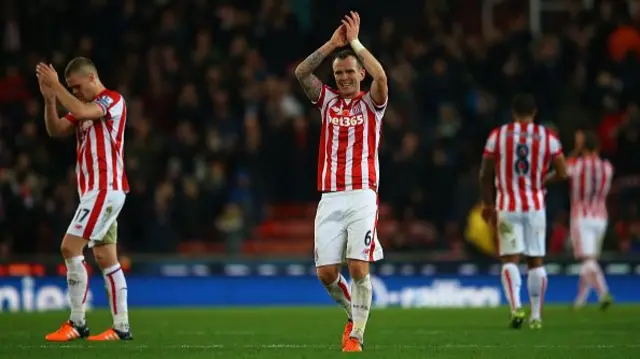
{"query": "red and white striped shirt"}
pixel 100 146
pixel 523 153
pixel 591 179
pixel 351 130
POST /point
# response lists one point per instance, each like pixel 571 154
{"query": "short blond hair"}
pixel 80 64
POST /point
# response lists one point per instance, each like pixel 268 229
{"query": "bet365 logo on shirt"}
pixel 347 121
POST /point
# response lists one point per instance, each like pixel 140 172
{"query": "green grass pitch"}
pixel 315 333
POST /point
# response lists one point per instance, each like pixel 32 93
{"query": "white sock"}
pixel 361 297
pixel 537 285
pixel 599 283
pixel 116 286
pixel 511 283
pixel 339 291
pixel 584 287
pixel 77 282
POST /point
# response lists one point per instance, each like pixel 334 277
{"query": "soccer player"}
pixel 97 116
pixel 520 153
pixel 348 172
pixel 590 181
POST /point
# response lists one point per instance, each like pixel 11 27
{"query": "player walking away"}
pixel 348 172
pixel 98 116
pixel 520 153
pixel 590 181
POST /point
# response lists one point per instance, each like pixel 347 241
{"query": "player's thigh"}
pixel 580 237
pixel 535 234
pixel 362 235
pixel 510 232
pixel 330 235
pixel 600 231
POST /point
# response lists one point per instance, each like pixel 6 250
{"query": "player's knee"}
pixel 510 258
pixel 535 262
pixel 328 274
pixel 358 269
pixel 72 246
pixel 105 255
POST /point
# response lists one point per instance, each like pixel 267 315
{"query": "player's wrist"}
pixel 356 45
pixel 330 46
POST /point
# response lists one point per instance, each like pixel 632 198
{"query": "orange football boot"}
pixel 68 331
pixel 347 332
pixel 110 335
pixel 352 345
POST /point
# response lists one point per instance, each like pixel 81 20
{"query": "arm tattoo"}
pixel 310 83
pixel 486 180
pixel 312 86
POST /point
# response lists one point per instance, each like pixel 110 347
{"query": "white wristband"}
pixel 356 45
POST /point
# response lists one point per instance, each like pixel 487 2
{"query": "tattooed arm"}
pixel 304 72
pixel 379 87
pixel 311 84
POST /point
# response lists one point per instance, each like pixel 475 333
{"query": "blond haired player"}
pixel 98 116
pixel 348 172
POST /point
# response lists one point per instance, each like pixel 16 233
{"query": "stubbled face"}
pixel 82 85
pixel 348 74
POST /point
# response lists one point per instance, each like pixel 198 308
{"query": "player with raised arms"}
pixel 348 172
pixel 590 181
pixel 516 157
pixel 98 117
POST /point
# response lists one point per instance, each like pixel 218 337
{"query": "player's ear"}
pixel 363 73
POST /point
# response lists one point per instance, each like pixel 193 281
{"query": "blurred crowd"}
pixel 218 128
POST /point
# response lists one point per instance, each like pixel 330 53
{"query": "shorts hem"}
pixel 327 264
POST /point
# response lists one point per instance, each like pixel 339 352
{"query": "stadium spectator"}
pixel 217 133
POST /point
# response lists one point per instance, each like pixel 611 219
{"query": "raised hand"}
pixel 351 24
pixel 47 91
pixel 338 38
pixel 47 75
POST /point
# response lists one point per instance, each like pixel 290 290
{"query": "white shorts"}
pixel 522 233
pixel 345 227
pixel 96 214
pixel 587 235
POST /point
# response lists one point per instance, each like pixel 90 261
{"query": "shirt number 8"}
pixel 522 160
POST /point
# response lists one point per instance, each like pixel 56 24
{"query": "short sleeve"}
pixel 326 95
pixel 379 109
pixel 105 102
pixel 555 147
pixel 490 146
pixel 71 118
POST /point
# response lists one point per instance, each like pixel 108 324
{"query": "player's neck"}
pixel 352 95
pixel 524 120
pixel 99 89
pixel 589 154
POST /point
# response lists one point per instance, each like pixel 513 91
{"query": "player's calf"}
pixel 116 286
pixel 361 297
pixel 336 286
pixel 77 281
pixel 537 286
pixel 338 289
